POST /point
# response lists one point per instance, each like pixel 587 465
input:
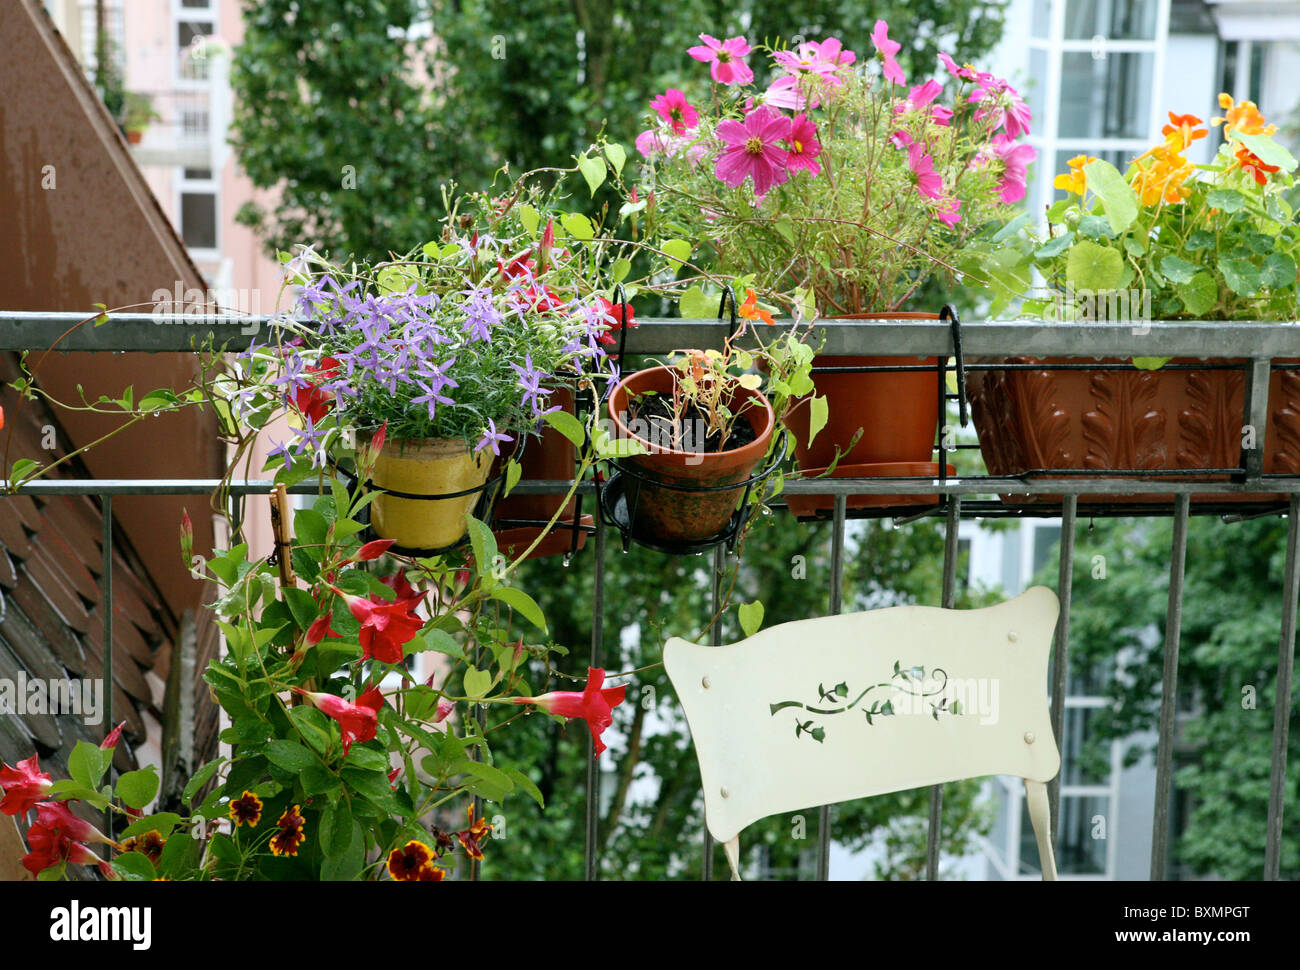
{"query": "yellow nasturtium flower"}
pixel 1159 175
pixel 1073 180
pixel 1242 116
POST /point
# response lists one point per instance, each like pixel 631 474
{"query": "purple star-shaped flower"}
pixel 491 438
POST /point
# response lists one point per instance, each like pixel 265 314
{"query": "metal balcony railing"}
pixel 1263 346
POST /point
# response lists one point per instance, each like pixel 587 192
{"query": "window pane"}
pixel 1073 771
pixel 1107 97
pixel 1078 853
pixel 1036 88
pixel 198 174
pixel 1112 19
pixel 194 68
pixel 199 220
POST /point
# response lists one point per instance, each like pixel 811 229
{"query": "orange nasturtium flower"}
pixel 750 309
pixel 1252 165
pixel 1242 116
pixel 1160 175
pixel 1074 180
pixel 1182 130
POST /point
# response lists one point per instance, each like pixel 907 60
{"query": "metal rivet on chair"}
pixel 726 792
pixel 1029 737
pixel 1013 636
pixel 705 683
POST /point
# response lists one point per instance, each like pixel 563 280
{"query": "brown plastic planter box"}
pixel 1111 420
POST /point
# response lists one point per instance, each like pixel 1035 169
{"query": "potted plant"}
pixel 1165 240
pixel 702 423
pixel 450 349
pixel 838 189
pixel 137 114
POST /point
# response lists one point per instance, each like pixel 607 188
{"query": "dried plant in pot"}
pixel 1164 240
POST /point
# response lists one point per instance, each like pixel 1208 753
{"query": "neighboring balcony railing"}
pixel 1256 348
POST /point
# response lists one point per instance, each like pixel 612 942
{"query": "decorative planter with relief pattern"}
pixel 1033 421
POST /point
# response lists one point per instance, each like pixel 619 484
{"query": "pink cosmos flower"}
pixel 1002 102
pixel 661 141
pixel 900 139
pixel 921 96
pixel 803 144
pixel 788 92
pixel 676 110
pixel 754 150
pixel 928 182
pixel 727 58
pixel 888 48
pixel 1016 159
pixel 824 59
pixel 967 72
pixel 949 211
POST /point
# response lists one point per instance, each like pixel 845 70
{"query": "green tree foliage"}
pixel 1227 673
pixel 413 94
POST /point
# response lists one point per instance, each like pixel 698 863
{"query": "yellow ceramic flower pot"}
pixel 430 466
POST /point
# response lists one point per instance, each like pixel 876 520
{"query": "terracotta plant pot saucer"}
pixel 810 505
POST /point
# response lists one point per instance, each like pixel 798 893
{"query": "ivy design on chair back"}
pixel 909 682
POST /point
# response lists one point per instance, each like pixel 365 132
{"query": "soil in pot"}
pixel 678 515
pixel 432 466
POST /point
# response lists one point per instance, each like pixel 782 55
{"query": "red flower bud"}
pixel 114 736
pixel 372 550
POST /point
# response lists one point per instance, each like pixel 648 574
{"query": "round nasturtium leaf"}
pixel 1092 266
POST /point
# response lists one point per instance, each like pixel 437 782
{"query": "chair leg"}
pixel 1040 816
pixel 732 850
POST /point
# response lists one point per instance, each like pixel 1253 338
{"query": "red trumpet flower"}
pixel 386 627
pixel 358 722
pixel 593 705
pixel 59 836
pixel 22 786
pixel 311 400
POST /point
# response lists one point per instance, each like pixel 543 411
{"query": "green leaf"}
pixel 1011 228
pixel 1279 271
pixel 619 269
pixel 678 250
pixel 495 778
pixel 617 156
pixel 567 425
pixel 138 788
pixel 577 225
pixel 1178 270
pixel 68 789
pixel 477 682
pixel 1199 294
pixel 163 823
pixel 309 527
pixel 818 415
pixel 1094 267
pixel 301 605
pixel 1054 247
pixel 483 543
pixel 1095 227
pixel 134 867
pixel 289 755
pixel 1198 240
pixel 1227 200
pixel 526 784
pixel 440 641
pixel 1150 363
pixel 608 447
pixel 1268 151
pixel 22 468
pixel 514 471
pixel 593 171
pixel 346 865
pixel 201 778
pixel 1242 276
pixel 529 218
pixel 695 304
pixel 87 764
pixel 1117 196
pixel 751 617
pixel 522 603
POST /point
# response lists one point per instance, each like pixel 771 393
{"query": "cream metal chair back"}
pixel 831 709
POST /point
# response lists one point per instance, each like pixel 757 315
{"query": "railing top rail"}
pixel 183 332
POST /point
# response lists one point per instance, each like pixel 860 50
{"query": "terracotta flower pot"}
pixel 551 457
pixel 1113 420
pixel 430 466
pixel 683 516
pixel 898 412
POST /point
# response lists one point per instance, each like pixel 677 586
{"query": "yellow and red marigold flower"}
pixel 150 845
pixel 1242 116
pixel 1252 165
pixel 246 809
pixel 1160 175
pixel 413 862
pixel 22 786
pixel 1074 180
pixel 290 836
pixel 1182 130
